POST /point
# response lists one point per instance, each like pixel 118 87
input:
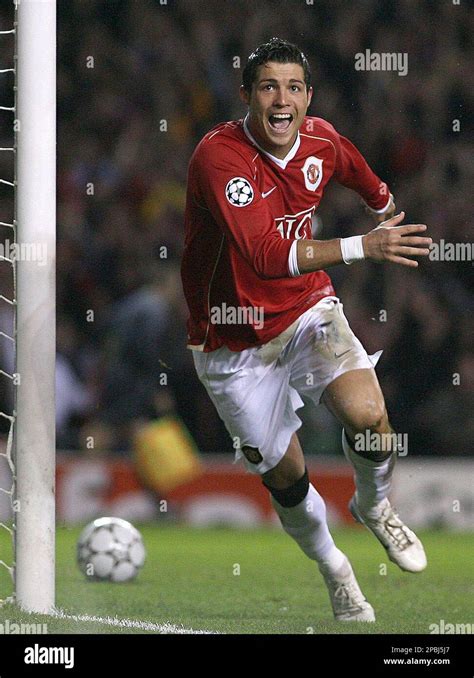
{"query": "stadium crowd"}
pixel 139 83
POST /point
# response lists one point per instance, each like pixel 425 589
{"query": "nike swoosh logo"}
pixel 265 195
pixel 341 354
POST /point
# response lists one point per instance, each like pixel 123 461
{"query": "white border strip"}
pixel 129 623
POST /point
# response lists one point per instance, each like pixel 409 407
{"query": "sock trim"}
pixel 364 456
pixel 293 495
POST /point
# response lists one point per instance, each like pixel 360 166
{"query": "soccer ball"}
pixel 110 549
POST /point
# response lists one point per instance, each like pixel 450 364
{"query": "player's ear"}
pixel 310 95
pixel 244 95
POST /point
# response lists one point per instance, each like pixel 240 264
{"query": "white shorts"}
pixel 257 391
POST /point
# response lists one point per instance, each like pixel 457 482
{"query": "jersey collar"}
pixel 280 162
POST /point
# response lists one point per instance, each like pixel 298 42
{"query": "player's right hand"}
pixel 391 242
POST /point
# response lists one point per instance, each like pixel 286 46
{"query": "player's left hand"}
pixel 396 242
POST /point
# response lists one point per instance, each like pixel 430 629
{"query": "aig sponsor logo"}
pixel 296 226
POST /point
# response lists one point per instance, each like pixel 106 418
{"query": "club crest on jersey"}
pixel 312 172
pixel 239 192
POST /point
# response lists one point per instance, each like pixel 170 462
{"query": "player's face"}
pixel 277 105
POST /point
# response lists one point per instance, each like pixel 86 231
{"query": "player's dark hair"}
pixel 276 49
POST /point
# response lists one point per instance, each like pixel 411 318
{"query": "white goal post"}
pixel 34 442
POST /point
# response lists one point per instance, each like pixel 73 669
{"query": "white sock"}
pixel 306 524
pixel 373 479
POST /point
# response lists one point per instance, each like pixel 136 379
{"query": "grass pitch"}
pixel 229 581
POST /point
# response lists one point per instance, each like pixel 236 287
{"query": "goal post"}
pixel 34 444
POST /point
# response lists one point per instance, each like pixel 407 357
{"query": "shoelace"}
pixel 348 593
pixel 397 531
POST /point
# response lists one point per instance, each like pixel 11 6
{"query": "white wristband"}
pixel 352 249
pixel 293 260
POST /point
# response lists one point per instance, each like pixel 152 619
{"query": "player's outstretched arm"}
pixel 388 242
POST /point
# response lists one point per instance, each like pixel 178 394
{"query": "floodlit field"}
pixel 228 581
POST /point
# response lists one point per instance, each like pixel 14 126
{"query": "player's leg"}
pixel 302 513
pixel 252 395
pixel 300 507
pixel 289 469
pixel 356 399
pixel 327 362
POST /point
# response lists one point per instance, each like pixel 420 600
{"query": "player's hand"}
pixel 391 242
pixel 388 214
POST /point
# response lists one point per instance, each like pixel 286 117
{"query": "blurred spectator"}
pixel 135 350
pixel 446 416
pixel 72 402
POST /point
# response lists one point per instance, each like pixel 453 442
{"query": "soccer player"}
pixel 266 326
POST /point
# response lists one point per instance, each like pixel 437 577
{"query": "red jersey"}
pixel 244 210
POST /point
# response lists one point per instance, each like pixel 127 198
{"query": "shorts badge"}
pixel 252 454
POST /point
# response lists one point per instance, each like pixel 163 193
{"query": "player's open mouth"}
pixel 280 122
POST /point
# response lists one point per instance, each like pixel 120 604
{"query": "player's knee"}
pixel 288 470
pixel 291 495
pixel 282 478
pixel 373 418
pixel 373 436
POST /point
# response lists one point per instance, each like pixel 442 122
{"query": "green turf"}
pixel 191 578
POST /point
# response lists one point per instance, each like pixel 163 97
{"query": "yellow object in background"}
pixel 166 455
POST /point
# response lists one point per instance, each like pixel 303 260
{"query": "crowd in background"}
pixel 139 83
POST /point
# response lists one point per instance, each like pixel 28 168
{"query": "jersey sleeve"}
pixel 224 183
pixel 353 172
